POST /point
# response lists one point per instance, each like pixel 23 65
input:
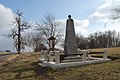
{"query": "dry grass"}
pixel 5 52
pixel 25 67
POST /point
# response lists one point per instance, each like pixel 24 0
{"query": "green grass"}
pixel 25 67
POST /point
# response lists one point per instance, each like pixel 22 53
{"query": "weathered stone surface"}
pixel 70 39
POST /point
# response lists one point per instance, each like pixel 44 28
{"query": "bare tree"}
pixel 20 26
pixel 115 13
pixel 81 41
pixel 49 27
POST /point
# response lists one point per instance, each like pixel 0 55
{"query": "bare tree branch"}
pixel 20 26
pixel 49 27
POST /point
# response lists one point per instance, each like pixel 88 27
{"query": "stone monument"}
pixel 71 57
pixel 70 39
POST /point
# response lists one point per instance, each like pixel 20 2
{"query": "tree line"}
pixel 99 39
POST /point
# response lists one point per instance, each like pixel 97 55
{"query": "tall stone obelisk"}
pixel 70 39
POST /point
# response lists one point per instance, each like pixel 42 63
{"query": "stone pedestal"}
pixel 70 39
pixel 84 56
pixel 105 54
pixel 45 56
pixel 57 57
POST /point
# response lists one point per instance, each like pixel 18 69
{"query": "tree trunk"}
pixel 19 36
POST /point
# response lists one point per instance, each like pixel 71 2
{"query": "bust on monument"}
pixel 70 39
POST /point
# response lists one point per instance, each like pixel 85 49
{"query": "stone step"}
pixel 71 60
pixel 72 57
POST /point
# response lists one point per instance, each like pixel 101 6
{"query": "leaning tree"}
pixel 19 26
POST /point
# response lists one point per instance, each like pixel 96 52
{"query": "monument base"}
pixel 56 59
pixel 70 49
pixel 73 64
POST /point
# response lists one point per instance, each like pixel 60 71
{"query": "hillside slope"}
pixel 25 67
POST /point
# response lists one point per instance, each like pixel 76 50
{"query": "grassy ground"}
pixel 25 67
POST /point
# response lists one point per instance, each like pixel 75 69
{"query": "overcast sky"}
pixel 89 15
